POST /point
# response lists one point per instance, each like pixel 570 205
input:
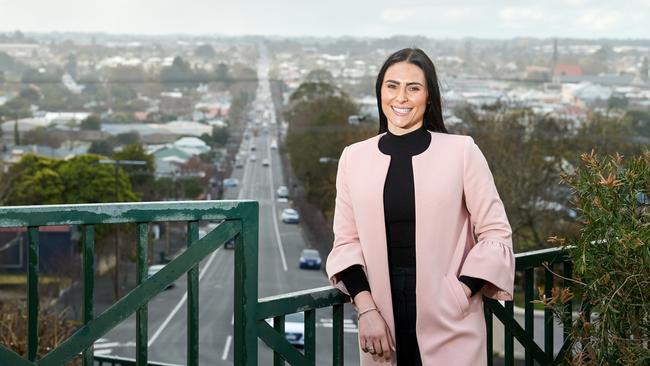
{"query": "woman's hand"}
pixel 374 335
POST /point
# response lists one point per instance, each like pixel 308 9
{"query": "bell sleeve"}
pixel 346 249
pixel 491 258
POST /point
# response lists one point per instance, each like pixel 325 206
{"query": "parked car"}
pixel 239 164
pixel 290 216
pixel 153 269
pixel 230 182
pixel 282 192
pixel 265 162
pixel 294 328
pixel 310 258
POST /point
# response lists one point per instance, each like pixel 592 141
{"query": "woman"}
pixel 420 232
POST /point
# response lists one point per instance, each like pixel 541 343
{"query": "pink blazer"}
pixel 461 229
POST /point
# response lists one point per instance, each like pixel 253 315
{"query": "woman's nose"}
pixel 401 95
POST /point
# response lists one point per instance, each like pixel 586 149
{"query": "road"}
pixel 279 249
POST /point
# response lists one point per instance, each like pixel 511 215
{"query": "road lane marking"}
pixel 226 348
pixel 275 214
pixel 181 302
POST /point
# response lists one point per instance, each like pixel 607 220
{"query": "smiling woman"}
pixel 410 203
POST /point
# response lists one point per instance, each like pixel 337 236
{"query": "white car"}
pixel 282 192
pixel 265 162
pixel 294 328
pixel 153 269
pixel 230 182
pixel 274 145
pixel 253 158
pixel 290 216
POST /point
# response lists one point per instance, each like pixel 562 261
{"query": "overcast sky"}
pixel 378 18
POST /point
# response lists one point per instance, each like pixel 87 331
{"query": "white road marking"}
pixel 226 348
pixel 181 302
pixel 103 352
pixel 275 214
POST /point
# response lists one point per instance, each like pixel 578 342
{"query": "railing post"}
pixel 246 291
pixel 193 301
pixel 141 317
pixel 529 311
pixel 337 334
pixel 490 333
pixel 32 293
pixel 88 285
pixel 548 314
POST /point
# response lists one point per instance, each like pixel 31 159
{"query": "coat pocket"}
pixel 462 302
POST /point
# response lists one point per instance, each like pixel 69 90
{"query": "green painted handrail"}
pixel 238 219
pixel 307 301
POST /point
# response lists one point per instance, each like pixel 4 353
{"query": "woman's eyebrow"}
pixel 407 84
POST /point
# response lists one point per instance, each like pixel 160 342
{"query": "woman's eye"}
pixel 414 89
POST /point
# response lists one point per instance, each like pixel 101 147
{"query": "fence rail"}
pixel 238 219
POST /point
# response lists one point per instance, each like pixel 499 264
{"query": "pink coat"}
pixel 461 229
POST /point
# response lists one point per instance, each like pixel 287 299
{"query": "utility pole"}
pixel 116 164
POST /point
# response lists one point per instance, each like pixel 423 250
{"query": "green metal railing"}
pixel 239 219
pixel 528 263
pixel 310 300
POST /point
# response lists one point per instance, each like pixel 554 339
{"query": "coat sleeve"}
pixel 492 257
pixel 346 249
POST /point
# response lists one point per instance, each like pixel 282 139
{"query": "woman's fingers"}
pixel 385 347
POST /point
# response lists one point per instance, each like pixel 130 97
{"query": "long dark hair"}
pixel 433 112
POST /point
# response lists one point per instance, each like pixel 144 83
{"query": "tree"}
pixel 178 74
pixel 320 76
pixel 220 135
pixel 40 180
pixel 30 95
pixel 70 66
pixel 88 181
pixel 128 138
pixel 91 123
pixel 141 177
pixel 34 180
pixel 40 136
pixel 610 259
pixel 101 147
pixel 318 127
pixel 205 51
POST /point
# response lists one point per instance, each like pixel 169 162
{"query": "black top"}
pixel 399 208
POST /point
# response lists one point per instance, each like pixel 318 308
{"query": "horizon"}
pixel 443 19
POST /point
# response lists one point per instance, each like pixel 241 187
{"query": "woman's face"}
pixel 404 97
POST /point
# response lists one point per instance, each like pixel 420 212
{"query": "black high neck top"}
pixel 399 208
pixel 399 193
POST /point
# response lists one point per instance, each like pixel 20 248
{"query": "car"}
pixel 290 216
pixel 253 148
pixel 282 192
pixel 230 182
pixel 265 162
pixel 253 158
pixel 274 145
pixel 153 269
pixel 294 328
pixel 310 258
pixel 230 244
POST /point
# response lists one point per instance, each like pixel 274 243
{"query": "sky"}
pixel 362 18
